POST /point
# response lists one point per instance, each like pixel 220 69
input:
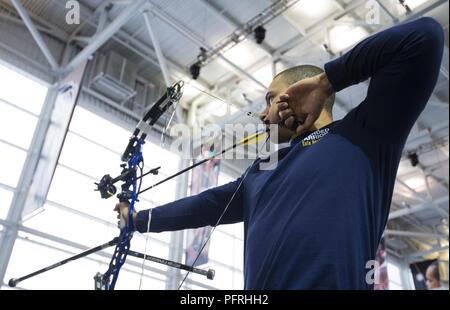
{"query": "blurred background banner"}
pixel 203 177
pixel 381 273
pixel 66 92
pixel 426 275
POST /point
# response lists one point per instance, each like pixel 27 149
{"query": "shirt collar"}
pixel 299 138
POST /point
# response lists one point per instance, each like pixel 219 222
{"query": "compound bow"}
pixel 130 190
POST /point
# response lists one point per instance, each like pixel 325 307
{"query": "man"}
pixel 315 220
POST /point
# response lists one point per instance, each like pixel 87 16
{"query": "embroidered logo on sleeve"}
pixel 315 137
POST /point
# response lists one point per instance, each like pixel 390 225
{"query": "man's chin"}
pixel 280 134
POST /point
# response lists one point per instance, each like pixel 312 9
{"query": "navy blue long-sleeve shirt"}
pixel 315 220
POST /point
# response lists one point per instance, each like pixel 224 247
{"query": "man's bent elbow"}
pixel 433 33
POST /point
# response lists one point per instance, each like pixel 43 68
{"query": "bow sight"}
pixel 106 185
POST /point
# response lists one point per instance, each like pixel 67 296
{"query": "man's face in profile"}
pixel 270 113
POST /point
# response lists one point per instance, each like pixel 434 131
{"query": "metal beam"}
pixel 157 47
pixel 444 72
pixel 416 208
pixel 320 25
pixel 161 59
pixel 196 40
pixel 422 198
pixel 128 13
pixel 29 60
pixel 439 180
pixel 35 34
pixel 306 36
pixel 242 72
pixel 7 187
pixel 413 234
pixel 385 9
pixel 144 51
pixel 229 78
pixel 314 29
pixel 232 22
pixel 65 242
pixel 417 254
pixel 435 207
pixel 424 10
pixel 317 27
pixel 102 20
pixel 25 180
pixel 412 139
pixel 412 191
pixel 81 247
pixel 141 49
pixel 92 14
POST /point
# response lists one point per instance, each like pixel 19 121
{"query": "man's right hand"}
pixel 122 210
pixel 306 97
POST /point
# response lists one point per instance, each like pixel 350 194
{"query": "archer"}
pixel 316 219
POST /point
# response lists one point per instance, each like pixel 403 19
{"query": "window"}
pixel 11 164
pixel 13 91
pixel 394 276
pixel 19 112
pixel 5 201
pixel 73 275
pixel 21 100
pixel 75 213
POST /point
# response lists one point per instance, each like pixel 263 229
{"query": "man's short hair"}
pixel 297 73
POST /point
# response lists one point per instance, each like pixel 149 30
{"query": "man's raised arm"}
pixel 403 64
